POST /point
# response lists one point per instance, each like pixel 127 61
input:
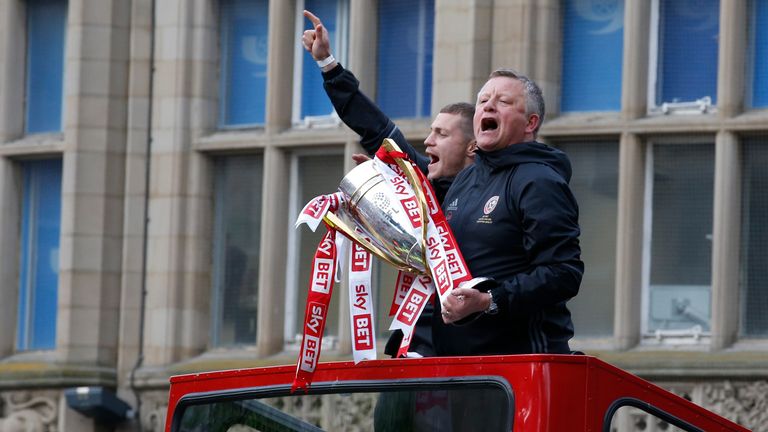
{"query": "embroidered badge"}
pixel 490 205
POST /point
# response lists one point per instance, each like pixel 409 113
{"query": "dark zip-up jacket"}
pixel 516 221
pixel 364 117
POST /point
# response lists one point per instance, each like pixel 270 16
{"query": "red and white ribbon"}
pixel 316 312
pixel 361 311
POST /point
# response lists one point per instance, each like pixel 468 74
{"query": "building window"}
pixel 39 270
pixel 759 50
pixel 244 47
pixel 312 174
pixel 405 44
pixel 593 37
pixel 754 240
pixel 678 246
pixel 236 249
pixel 46 26
pixel 311 104
pixel 687 32
pixel 595 185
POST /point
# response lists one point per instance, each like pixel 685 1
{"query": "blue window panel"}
pixel 593 36
pixel 688 32
pixel 406 38
pixel 39 274
pixel 46 24
pixel 314 101
pixel 244 30
pixel 760 54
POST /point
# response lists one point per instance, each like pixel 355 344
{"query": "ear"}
pixel 533 122
pixel 471 147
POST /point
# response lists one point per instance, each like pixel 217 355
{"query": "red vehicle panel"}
pixel 549 392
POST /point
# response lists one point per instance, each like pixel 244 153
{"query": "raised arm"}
pixel 354 108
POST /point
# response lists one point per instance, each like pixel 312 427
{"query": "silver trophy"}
pixel 369 206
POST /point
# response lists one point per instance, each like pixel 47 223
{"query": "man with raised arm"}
pixel 449 145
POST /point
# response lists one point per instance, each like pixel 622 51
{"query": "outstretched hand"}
pixel 316 41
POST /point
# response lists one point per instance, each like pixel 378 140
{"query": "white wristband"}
pixel 326 61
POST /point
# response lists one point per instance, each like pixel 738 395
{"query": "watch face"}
pixel 492 308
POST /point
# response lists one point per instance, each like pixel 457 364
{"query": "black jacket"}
pixel 364 117
pixel 516 221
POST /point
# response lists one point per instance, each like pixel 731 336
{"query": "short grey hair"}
pixel 534 99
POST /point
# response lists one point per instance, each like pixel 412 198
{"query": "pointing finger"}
pixel 315 20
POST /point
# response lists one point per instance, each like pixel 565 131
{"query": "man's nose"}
pixel 430 139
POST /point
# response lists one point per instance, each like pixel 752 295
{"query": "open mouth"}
pixel 488 123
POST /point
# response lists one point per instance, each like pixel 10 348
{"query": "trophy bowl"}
pixel 388 231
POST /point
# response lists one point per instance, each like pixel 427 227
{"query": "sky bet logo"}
pixel 361 259
pixel 322 275
pixel 363 332
pixel 313 330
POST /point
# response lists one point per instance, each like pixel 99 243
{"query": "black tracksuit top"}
pixel 516 221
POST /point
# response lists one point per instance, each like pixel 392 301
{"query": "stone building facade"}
pixel 152 164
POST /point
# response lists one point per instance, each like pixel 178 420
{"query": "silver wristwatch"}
pixel 493 308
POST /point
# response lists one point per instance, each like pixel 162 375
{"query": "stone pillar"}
pixel 12 65
pixel 134 223
pixel 274 226
pixel 93 175
pixel 462 53
pixel 634 74
pixel 10 220
pixel 629 242
pixel 180 210
pixel 363 31
pixel 726 244
pixel 732 58
pixel 282 43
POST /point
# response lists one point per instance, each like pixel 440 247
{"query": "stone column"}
pixel 732 58
pixel 363 31
pixel 12 55
pixel 726 244
pixel 462 54
pixel 274 229
pixel 180 210
pixel 629 242
pixel 634 74
pixel 93 181
pixel 282 43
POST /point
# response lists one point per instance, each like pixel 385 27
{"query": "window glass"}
pixel 760 53
pixel 594 183
pixel 39 272
pixel 317 175
pixel 431 407
pixel 244 50
pixel 405 43
pixel 688 34
pixel 681 239
pixel 593 33
pixel 237 232
pixel 754 235
pixel 314 101
pixel 46 24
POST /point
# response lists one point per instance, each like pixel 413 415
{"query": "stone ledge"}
pixel 22 374
pixel 660 364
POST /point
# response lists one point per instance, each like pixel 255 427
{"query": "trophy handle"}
pixel 413 179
